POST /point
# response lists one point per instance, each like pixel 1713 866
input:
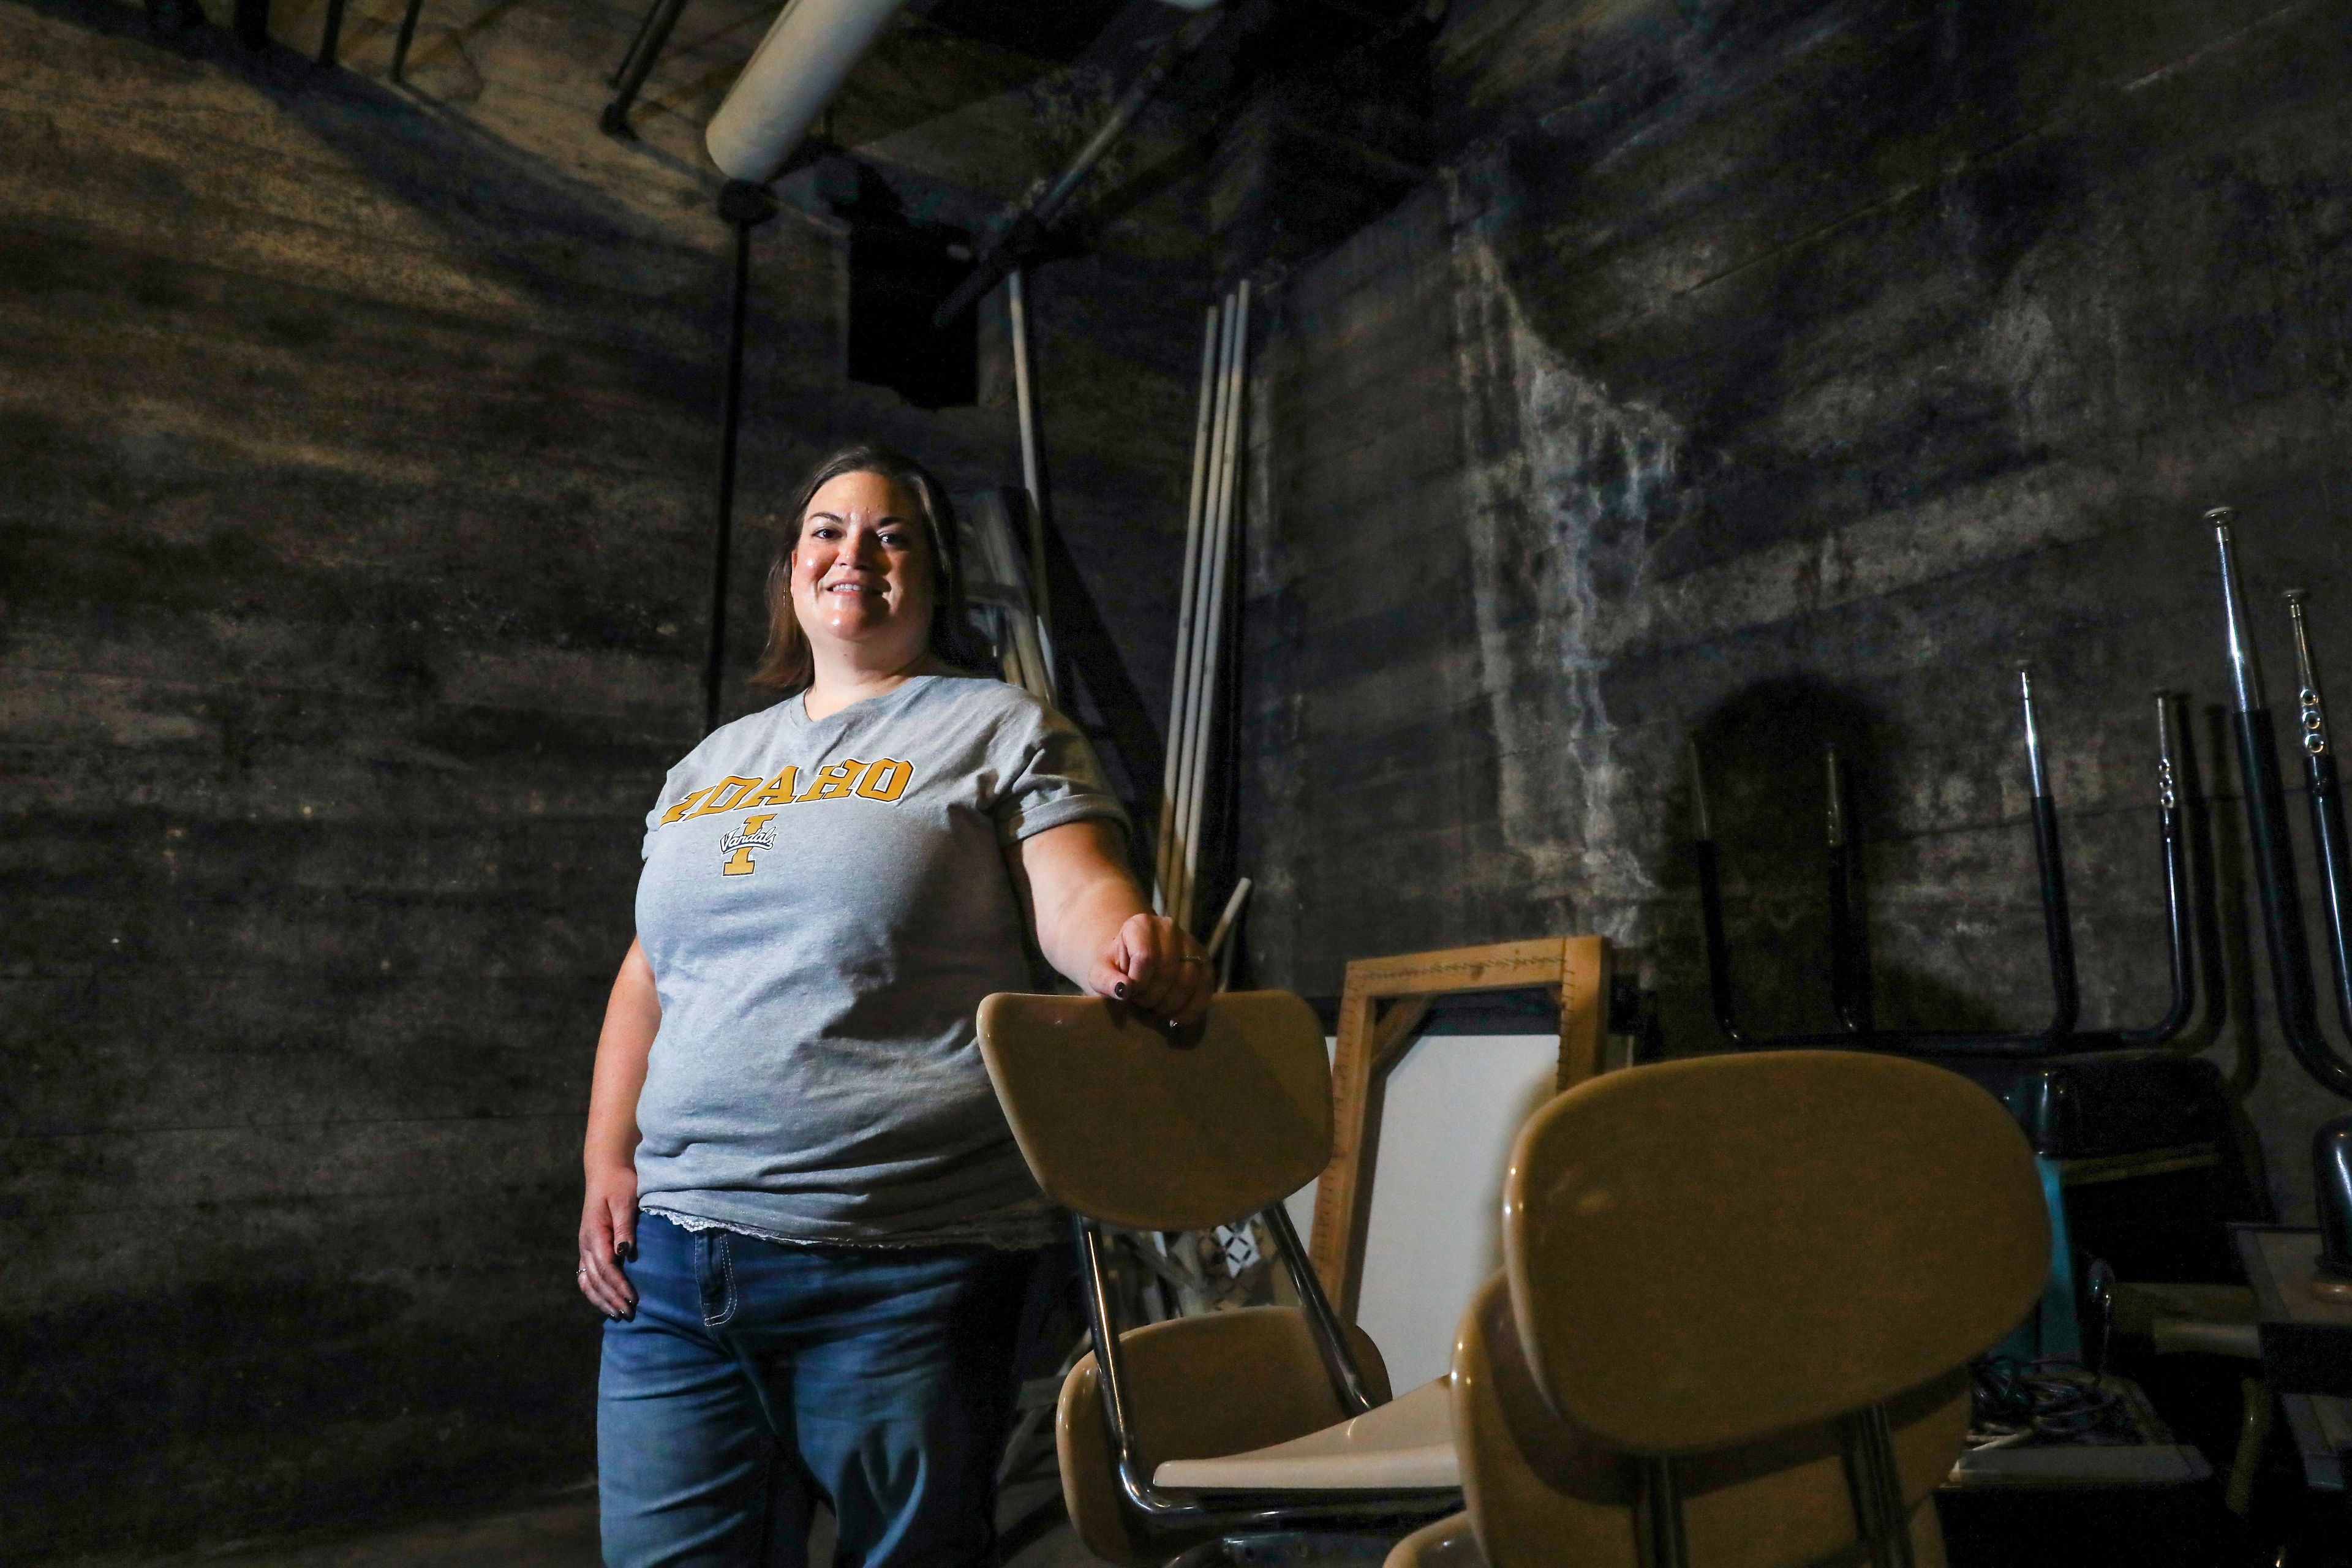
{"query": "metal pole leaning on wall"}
pixel 653 37
pixel 1207 640
pixel 331 35
pixel 407 36
pixel 1193 511
pixel 745 206
pixel 1040 602
pixel 1187 682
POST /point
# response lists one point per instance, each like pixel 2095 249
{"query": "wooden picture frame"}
pixel 1383 1003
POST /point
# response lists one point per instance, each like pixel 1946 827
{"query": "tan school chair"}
pixel 1739 1300
pixel 1260 1422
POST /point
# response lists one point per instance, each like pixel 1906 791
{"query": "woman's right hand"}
pixel 608 1234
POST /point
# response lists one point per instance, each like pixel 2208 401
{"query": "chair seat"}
pixel 1448 1543
pixel 1406 1443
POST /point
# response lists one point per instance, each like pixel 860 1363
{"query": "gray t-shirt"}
pixel 825 905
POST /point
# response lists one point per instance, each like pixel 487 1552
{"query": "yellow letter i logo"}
pixel 738 844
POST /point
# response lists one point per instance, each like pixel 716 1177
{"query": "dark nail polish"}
pixel 1119 990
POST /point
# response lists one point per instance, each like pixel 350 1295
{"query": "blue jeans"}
pixel 756 1378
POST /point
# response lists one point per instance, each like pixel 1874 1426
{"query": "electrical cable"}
pixel 2018 1405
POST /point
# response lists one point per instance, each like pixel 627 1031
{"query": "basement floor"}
pixel 559 1531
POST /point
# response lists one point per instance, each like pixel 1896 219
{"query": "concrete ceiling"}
pixel 961 108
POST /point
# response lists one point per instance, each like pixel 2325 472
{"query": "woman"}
pixel 806 1222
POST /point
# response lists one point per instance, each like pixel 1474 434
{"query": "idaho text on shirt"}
pixel 884 780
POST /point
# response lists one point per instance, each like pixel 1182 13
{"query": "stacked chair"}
pixel 1264 1425
pixel 1739 1300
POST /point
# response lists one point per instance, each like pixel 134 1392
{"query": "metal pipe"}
pixel 2245 660
pixel 1190 675
pixel 1040 596
pixel 2282 901
pixel 1208 641
pixel 1170 764
pixel 1330 1334
pixel 2171 825
pixel 614 121
pixel 1850 979
pixel 1022 237
pixel 1223 930
pixel 744 206
pixel 2326 804
pixel 2037 775
pixel 1710 912
pixel 636 42
pixel 2057 922
pixel 406 37
pixel 1103 1328
pixel 1168 1508
pixel 1194 686
pixel 331 35
pixel 801 62
pixel 1663 1541
pixel 1024 660
pixel 1849 965
pixel 2331 1180
pixel 2274 851
pixel 2212 970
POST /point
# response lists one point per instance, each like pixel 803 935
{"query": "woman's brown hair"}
pixel 784 663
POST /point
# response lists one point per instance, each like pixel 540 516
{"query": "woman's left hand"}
pixel 1155 966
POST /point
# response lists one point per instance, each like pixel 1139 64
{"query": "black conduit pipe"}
pixel 653 37
pixel 1849 949
pixel 330 38
pixel 1710 912
pixel 745 206
pixel 407 36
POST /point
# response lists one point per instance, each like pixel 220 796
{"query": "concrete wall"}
pixel 1778 374
pixel 353 545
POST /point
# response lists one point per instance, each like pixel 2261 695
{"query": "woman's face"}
pixel 862 569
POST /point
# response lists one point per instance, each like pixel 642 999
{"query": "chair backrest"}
pixel 1540 1491
pixel 1703 1253
pixel 1125 1123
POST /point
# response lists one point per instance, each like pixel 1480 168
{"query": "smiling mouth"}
pixel 853 588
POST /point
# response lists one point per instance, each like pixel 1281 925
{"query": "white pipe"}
pixel 1220 569
pixel 1204 633
pixel 1185 597
pixel 793 75
pixel 1223 942
pixel 1185 693
pixel 1036 678
pixel 1040 598
pixel 1022 660
pixel 1224 931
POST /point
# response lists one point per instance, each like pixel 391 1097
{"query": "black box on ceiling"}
pixel 897 277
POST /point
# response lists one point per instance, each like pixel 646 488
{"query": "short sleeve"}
pixel 672 787
pixel 1053 779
